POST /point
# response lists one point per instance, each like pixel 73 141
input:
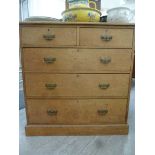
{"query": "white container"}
pixel 120 15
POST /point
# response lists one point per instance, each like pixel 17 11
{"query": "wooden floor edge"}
pixel 56 130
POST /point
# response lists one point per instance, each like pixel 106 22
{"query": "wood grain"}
pixel 77 72
pixel 121 38
pixel 47 130
pixel 86 24
pixel 76 111
pixel 76 85
pixel 34 36
pixel 77 60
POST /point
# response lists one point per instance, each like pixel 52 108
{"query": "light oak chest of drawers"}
pixel 77 77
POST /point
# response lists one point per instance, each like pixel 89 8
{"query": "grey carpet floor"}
pixel 80 145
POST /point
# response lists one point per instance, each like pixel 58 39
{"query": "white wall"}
pixel 107 4
pixel 111 3
pixel 54 8
pixel 51 8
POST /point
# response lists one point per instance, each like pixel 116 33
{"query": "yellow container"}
pixel 81 15
pixel 80 4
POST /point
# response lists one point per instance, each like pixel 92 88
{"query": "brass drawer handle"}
pixel 106 37
pixel 49 60
pixel 48 36
pixel 50 85
pixel 52 112
pixel 104 85
pixel 102 112
pixel 105 60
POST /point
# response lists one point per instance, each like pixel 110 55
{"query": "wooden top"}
pixel 75 23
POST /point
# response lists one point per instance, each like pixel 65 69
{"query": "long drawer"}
pixel 48 36
pixel 89 111
pixel 76 85
pixel 76 60
pixel 106 38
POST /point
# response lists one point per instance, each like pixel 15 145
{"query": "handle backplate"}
pixel 104 85
pixel 49 60
pixel 102 112
pixel 50 85
pixel 52 112
pixel 105 60
pixel 48 36
pixel 106 37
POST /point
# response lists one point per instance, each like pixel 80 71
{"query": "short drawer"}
pixel 76 61
pixel 106 38
pixel 47 36
pixel 69 112
pixel 75 85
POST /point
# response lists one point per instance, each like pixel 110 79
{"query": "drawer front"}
pixel 89 111
pixel 106 38
pixel 48 37
pixel 75 61
pixel 74 85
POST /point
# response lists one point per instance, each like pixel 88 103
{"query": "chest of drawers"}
pixel 77 77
